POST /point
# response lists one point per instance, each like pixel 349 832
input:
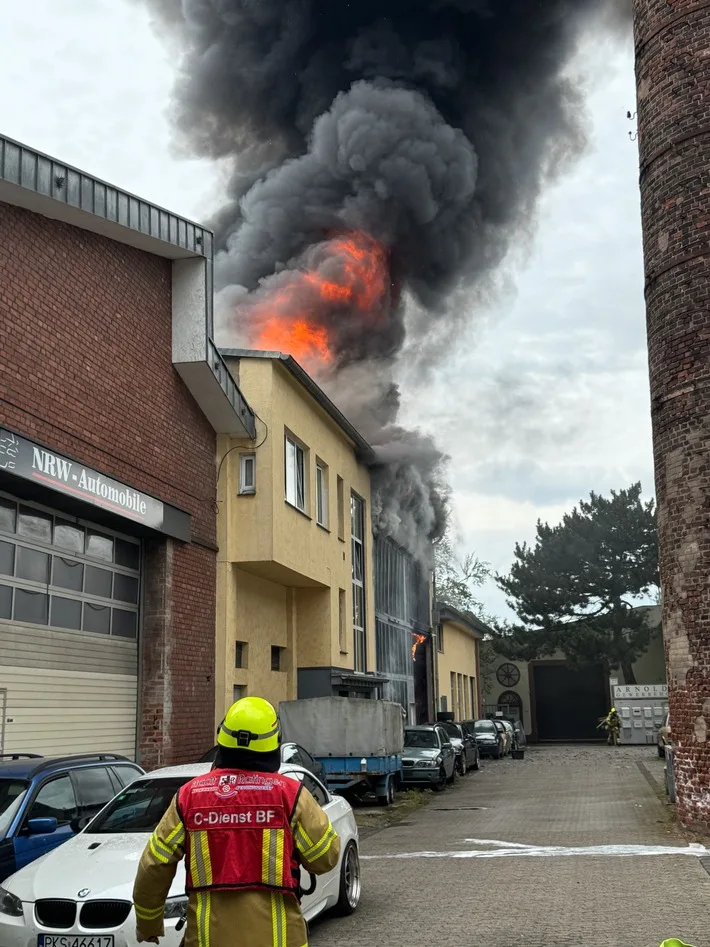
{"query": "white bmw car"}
pixel 80 894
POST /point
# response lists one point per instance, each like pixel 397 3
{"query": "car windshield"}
pixel 484 725
pixel 138 808
pixel 451 729
pixel 12 792
pixel 420 738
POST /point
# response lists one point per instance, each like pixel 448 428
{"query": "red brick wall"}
pixel 673 78
pixel 86 368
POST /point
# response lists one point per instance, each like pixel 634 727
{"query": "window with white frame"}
pixel 322 494
pixel 247 474
pixel 295 474
pixel 357 534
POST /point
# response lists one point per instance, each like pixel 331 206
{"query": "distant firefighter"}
pixel 612 725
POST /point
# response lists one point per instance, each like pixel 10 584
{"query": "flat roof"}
pixel 55 189
pixel 364 450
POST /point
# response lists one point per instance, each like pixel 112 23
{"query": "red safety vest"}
pixel 238 831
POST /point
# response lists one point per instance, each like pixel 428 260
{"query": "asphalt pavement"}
pixel 570 847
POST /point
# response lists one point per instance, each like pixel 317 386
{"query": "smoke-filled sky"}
pixel 550 396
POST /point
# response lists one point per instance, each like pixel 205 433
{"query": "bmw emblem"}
pixel 83 893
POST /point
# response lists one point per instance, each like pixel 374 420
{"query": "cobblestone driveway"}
pixel 558 796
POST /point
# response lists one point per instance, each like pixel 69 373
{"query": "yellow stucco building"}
pixel 295 596
pixel 458 663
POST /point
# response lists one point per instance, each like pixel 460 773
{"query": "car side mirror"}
pixel 41 826
pixel 79 822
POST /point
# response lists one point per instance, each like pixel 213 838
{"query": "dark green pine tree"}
pixel 575 589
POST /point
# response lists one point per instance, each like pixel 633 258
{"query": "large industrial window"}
pixel 440 639
pixel 66 574
pixel 295 474
pixel 454 699
pixel 357 532
pixel 321 494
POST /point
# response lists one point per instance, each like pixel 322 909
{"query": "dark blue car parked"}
pixel 43 800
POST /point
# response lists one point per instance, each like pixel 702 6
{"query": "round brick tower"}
pixel 672 41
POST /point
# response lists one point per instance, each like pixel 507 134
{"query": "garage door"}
pixel 69 601
pixel 568 704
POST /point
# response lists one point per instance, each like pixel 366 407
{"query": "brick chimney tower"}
pixel 672 42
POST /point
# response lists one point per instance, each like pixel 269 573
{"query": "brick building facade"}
pixel 673 82
pixel 106 361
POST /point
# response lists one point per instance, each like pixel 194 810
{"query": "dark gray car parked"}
pixel 489 739
pixel 464 745
pixel 428 757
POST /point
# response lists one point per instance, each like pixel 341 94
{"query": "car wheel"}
pixel 440 784
pixel 462 765
pixel 350 881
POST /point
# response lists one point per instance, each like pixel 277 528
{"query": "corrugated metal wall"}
pixel 401 611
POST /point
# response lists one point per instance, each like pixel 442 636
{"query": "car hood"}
pixel 420 752
pixel 106 871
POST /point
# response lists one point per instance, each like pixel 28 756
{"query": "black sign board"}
pixel 25 459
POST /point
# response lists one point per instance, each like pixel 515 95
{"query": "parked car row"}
pixel 81 893
pixel 434 755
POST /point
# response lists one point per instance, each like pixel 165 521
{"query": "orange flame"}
pixel 292 310
pixel 418 639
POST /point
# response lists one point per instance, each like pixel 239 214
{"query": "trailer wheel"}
pixel 387 798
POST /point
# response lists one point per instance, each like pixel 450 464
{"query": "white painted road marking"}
pixel 493 848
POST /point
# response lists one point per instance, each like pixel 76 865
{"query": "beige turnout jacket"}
pixel 232 918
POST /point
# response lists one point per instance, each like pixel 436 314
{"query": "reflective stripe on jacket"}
pixel 231 918
pixel 238 827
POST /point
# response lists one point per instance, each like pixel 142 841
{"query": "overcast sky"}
pixel 544 400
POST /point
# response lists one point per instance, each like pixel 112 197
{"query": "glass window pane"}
pixel 31 606
pixel 69 536
pixel 66 612
pixel 290 471
pixel 300 480
pixel 357 561
pixel 125 623
pixel 32 565
pixel 98 582
pixel 100 546
pixel 7 558
pixel 127 554
pixel 68 574
pixel 8 513
pixel 95 787
pixel 35 525
pixel 55 800
pixel 125 588
pixel 97 618
pixel 5 601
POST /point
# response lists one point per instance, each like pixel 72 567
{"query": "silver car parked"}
pixel 428 758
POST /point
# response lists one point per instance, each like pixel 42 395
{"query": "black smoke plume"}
pixel 430 125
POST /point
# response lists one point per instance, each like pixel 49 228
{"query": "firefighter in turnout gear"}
pixel 244 831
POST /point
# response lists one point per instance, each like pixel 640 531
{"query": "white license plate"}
pixel 71 940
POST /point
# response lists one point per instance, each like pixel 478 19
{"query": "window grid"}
pixel 65 574
pixel 247 474
pixel 321 494
pixel 295 473
pixel 357 532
